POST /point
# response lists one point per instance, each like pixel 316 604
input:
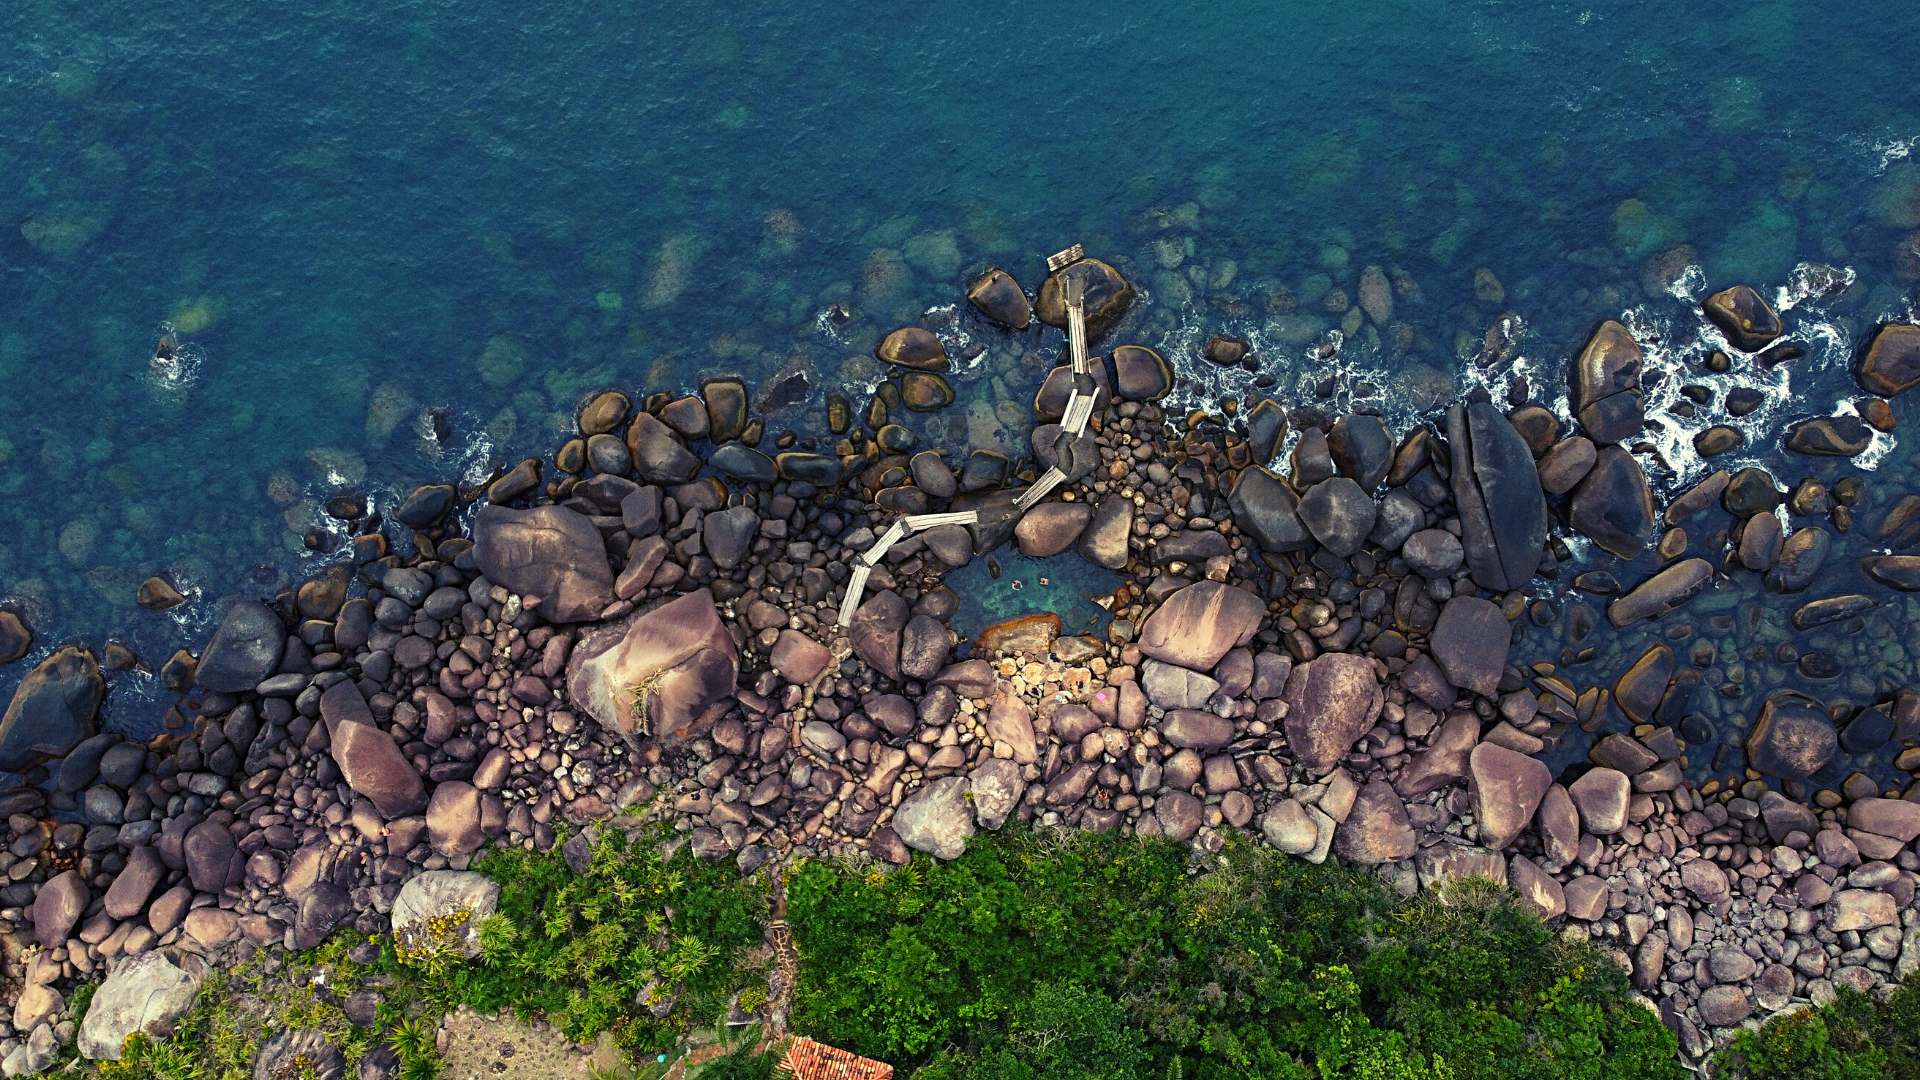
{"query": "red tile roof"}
pixel 810 1060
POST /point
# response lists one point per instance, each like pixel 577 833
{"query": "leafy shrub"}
pixel 583 949
pixel 1095 956
pixel 1852 1038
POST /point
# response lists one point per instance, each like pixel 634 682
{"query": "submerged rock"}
pixel 999 297
pixel 1793 739
pixel 1661 593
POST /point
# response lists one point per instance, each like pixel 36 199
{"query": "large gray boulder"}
pixel 667 673
pixel 550 554
pixel 469 897
pixel 936 819
pixel 244 650
pixel 52 710
pixel 144 993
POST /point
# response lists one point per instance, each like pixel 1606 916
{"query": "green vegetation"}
pixel 1098 956
pixel 574 950
pixel 581 950
pixel 1853 1038
pixel 1032 957
pixel 236 1015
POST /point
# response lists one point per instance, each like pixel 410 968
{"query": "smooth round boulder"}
pixel 1265 508
pixel 1106 296
pixel 53 708
pixel 1433 553
pixel 999 297
pixel 1890 364
pixel 1613 506
pixel 1746 319
pixel 604 412
pixel 243 651
pixel 1051 528
pixel 913 347
pixel 1141 374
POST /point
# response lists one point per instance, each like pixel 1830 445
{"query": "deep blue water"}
pixel 351 214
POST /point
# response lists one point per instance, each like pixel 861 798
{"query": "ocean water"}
pixel 355 219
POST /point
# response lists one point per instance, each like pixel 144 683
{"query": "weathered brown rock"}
pixel 1377 829
pixel 1638 692
pixel 453 818
pixel 1107 296
pixel 58 907
pixel 1663 592
pixel 1537 889
pixel 1141 374
pixel 1566 463
pixel 1196 626
pixel 1749 323
pixel 1470 644
pixel 1602 796
pixel 1793 738
pixel 797 657
pixel 369 760
pixel 999 297
pixel 1009 721
pixel 1894 818
pixel 912 347
pixel 1444 760
pixel 1026 635
pixel 1830 436
pixel 1507 788
pixel 1890 364
pixel 1503 511
pixel 1051 528
pixel 551 554
pixel 1331 702
pixel 1606 385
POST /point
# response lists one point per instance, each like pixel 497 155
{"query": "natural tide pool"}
pixel 401 245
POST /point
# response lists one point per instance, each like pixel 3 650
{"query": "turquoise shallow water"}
pixel 351 216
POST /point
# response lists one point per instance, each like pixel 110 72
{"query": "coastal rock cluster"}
pixel 1315 652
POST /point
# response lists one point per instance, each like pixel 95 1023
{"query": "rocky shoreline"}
pixel 1317 654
